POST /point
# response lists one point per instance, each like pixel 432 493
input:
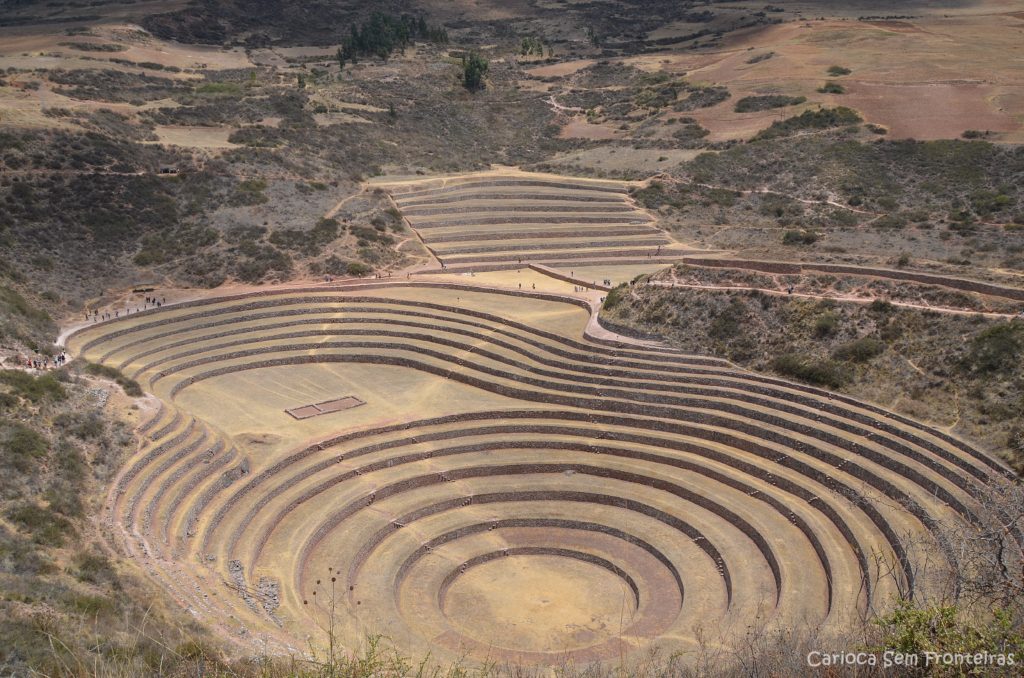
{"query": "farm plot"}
pixel 508 218
pixel 512 488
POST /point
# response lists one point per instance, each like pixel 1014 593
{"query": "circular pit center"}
pixel 539 603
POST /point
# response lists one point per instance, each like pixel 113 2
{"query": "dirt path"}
pixel 766 191
pixel 845 298
pixel 337 208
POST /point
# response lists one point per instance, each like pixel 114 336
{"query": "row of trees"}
pixel 382 34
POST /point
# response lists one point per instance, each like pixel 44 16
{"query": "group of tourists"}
pixel 45 362
pixel 150 302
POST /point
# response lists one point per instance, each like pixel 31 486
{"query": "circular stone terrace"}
pixel 475 473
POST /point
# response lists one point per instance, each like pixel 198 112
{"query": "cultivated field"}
pixel 506 218
pixel 513 488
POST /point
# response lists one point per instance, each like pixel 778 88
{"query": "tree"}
pixel 341 59
pixel 474 68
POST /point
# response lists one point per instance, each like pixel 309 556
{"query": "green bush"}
pixel 249 193
pixel 860 350
pixel 799 238
pixel 309 242
pixel 474 69
pixel 46 527
pixel 615 296
pixel 45 387
pixel 358 269
pixel 129 386
pixel 767 102
pixel 14 303
pixel 85 425
pixel 817 372
pixel 64 498
pixel 21 446
pixel 832 88
pixel 93 568
pixel 881 306
pixel 728 324
pixel 944 629
pixel 824 118
pixel 826 324
pixel 836 71
pixel 997 349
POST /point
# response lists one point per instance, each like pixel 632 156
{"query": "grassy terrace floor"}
pixel 512 488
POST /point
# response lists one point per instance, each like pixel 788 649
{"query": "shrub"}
pixel 860 351
pixel 93 568
pixel 799 238
pixel 46 527
pixel 944 630
pixel 308 242
pixel 727 324
pixel 1015 439
pixel 824 118
pixel 45 387
pixel 818 372
pixel 249 193
pixel 832 88
pixel 881 306
pixel 766 102
pixel 758 58
pixel 615 296
pixel 81 425
pixel 826 325
pixel 64 498
pixel 14 303
pixel 21 446
pixel 358 269
pixel 998 348
pixel 702 97
pixel 129 386
pixel 836 71
pixel 474 68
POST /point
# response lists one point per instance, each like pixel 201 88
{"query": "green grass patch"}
pixel 219 89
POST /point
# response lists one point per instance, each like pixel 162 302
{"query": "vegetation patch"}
pixel 832 88
pixel 130 386
pixel 817 372
pixel 37 389
pixel 767 102
pixel 824 118
pixel 792 237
